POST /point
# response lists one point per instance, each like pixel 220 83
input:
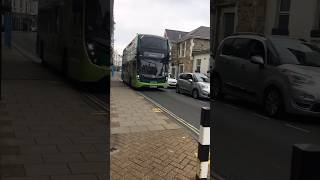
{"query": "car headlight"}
pixel 298 79
pixel 138 77
pixel 202 86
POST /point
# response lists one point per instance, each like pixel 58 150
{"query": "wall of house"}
pixel 302 18
pixel 301 22
pixel 201 44
pixel 205 58
pixel 187 59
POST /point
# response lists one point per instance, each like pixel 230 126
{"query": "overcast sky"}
pixel 154 16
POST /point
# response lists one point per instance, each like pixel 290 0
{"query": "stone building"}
pixel 173 36
pixel 24 14
pixel 293 18
pixel 184 46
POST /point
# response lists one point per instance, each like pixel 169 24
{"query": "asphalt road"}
pixel 181 105
pixel 246 144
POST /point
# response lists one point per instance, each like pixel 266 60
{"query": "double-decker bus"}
pixel 72 38
pixel 145 62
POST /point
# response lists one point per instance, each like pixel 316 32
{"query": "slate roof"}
pixel 174 35
pixel 201 32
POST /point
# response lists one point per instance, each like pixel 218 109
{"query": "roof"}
pixel 201 32
pixel 174 35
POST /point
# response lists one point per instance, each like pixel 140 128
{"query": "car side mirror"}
pixel 257 60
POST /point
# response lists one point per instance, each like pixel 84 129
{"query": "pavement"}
pixel 146 143
pixel 48 129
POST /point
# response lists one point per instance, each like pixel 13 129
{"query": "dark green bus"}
pixel 72 38
pixel 145 62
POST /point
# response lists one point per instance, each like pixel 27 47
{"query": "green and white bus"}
pixel 72 38
pixel 145 62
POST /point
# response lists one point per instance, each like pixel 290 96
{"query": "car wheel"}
pixel 216 89
pixel 195 94
pixel 177 89
pixel 273 103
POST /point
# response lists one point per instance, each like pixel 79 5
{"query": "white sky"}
pixel 154 16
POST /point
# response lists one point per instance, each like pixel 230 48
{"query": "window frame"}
pixel 198 65
pixel 283 13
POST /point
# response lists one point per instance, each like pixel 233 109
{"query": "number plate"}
pixel 153 86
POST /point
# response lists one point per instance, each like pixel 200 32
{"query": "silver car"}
pixel 280 73
pixel 195 84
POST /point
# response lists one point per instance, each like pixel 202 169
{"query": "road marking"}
pixel 297 128
pixel 180 120
pixel 157 110
pixel 231 106
pixel 261 116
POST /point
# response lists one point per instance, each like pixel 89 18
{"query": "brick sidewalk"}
pixel 147 143
pixel 47 130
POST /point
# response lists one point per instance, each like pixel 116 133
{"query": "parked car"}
pixel 280 73
pixel 195 84
pixel 172 82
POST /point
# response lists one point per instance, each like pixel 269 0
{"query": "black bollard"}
pixel 305 164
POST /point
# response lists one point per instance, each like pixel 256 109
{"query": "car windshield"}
pixel 201 78
pixel 293 51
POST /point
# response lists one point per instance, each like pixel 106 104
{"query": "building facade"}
pixel 173 36
pixel 201 62
pixel 184 46
pixel 24 14
pixel 294 18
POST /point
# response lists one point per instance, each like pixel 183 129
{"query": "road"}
pixel 247 144
pixel 181 105
pixel 27 42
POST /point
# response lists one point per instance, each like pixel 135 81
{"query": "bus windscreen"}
pixel 148 42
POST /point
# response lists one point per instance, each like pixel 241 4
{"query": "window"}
pixel 182 49
pixel 198 65
pixel 181 68
pixel 227 47
pixel 228 24
pixel 240 48
pixel 284 14
pixel 256 48
pixel 173 72
pixel 182 76
pixel 188 76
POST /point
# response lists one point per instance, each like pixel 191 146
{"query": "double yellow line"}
pixel 193 129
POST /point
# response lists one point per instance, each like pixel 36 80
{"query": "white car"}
pixel 172 82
